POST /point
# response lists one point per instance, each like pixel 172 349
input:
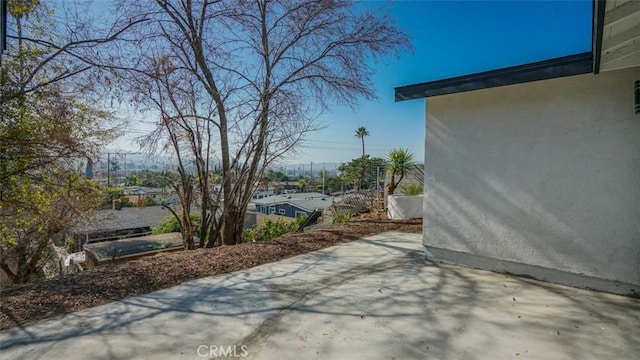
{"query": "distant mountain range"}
pixel 130 162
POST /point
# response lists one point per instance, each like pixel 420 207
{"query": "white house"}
pixel 535 169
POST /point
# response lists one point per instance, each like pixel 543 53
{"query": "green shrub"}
pixel 412 189
pixel 272 229
pixel 109 194
pixel 342 219
pixel 150 201
pixel 170 224
pixel 124 202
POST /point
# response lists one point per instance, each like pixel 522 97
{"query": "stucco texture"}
pixel 544 174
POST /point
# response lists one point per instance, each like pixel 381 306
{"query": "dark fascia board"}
pixel 542 70
pixel 599 7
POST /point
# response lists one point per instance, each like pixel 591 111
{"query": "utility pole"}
pixel 312 170
pixel 108 169
pixel 323 175
pixel 109 165
pixel 377 185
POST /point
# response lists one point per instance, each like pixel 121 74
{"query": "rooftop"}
pixel 137 246
pixel 127 218
pixel 308 201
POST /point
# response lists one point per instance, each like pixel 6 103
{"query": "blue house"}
pixel 292 205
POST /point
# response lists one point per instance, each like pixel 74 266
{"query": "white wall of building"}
pixel 541 179
pixel 402 207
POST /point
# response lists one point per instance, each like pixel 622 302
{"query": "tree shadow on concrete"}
pixel 375 297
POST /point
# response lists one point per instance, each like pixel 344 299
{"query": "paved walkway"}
pixel 373 298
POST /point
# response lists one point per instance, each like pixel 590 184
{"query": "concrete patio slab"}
pixel 375 298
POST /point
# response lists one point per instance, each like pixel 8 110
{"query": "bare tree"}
pixel 187 134
pixel 67 43
pixel 267 68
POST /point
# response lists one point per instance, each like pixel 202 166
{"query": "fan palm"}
pixel 361 132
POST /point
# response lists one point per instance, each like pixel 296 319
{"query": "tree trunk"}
pixel 10 274
pixel 187 228
pixel 392 185
pixel 232 233
pixel 23 272
pixel 364 168
pixel 214 231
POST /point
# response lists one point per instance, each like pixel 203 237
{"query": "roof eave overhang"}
pixel 548 69
pixel 542 70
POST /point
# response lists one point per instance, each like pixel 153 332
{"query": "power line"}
pixel 347 143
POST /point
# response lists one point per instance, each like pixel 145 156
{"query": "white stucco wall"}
pixel 532 177
pixel 401 207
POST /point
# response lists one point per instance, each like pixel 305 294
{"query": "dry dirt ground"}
pixel 29 303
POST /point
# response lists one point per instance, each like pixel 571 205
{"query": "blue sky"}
pixel 450 38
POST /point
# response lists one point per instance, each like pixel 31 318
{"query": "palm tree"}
pixel 400 162
pixel 361 132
